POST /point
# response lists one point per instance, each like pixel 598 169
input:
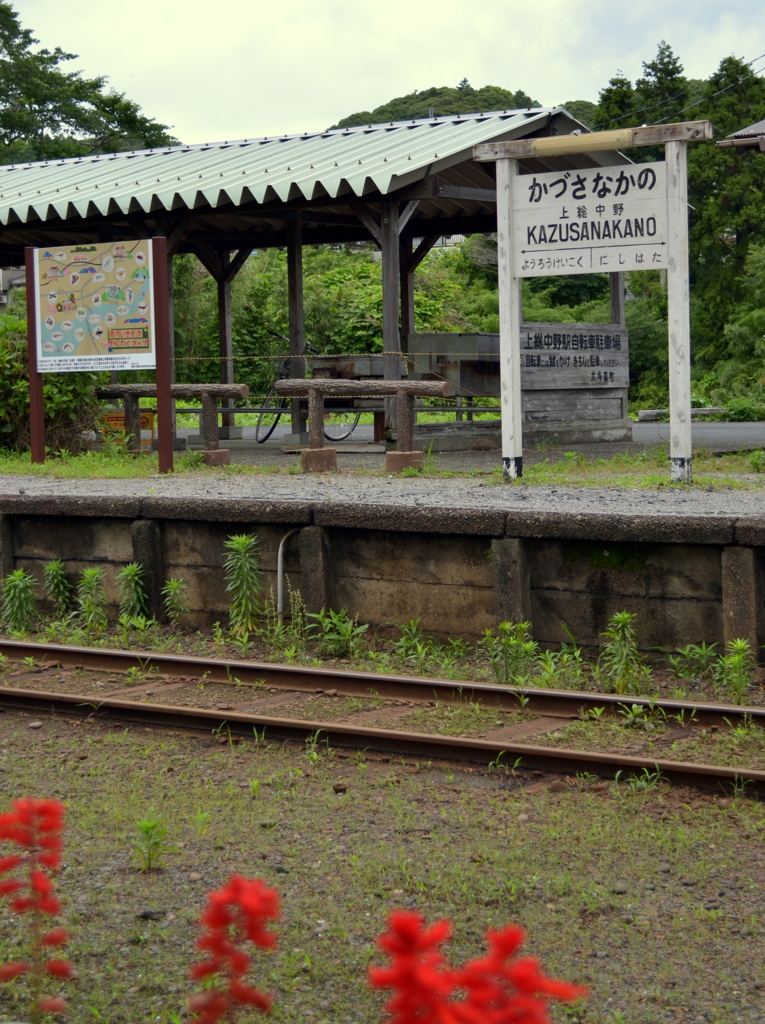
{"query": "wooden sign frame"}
pixel 675 138
pixel 161 306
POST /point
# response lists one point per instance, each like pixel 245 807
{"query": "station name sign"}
pixel 592 220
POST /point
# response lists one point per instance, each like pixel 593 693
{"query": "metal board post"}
pixel 510 315
pixel 162 354
pixel 680 446
pixel 36 404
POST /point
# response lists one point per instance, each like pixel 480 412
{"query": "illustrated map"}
pixel 95 308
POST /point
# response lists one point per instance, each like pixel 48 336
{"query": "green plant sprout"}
pixel 132 590
pixel 243 581
pixel 150 843
pixel 19 601
pixel 58 587
pixel 174 596
pixel 91 598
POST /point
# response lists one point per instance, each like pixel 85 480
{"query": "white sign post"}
pixel 594 220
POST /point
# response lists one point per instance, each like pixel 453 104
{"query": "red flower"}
pixel 493 989
pixel 235 914
pixel 35 826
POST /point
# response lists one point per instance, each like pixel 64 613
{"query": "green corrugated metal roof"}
pixel 356 161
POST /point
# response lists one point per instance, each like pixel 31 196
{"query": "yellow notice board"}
pixel 94 307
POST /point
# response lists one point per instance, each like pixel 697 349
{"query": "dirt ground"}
pixel 654 898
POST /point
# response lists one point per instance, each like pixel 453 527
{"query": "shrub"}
pixel 70 403
pixel 19 601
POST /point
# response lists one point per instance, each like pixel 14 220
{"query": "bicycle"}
pixel 339 421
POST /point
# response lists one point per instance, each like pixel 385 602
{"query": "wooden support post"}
pixel 296 313
pixel 163 352
pixel 680 447
pixel 132 423
pixel 36 404
pixel 315 418
pixel 407 292
pixel 224 333
pixel 389 239
pixel 616 283
pixel 510 315
pixel 405 412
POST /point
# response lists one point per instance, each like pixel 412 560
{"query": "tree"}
pixel 442 101
pixel 47 112
pixel 727 212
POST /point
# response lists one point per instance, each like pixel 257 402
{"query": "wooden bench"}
pixel 316 458
pixel 209 394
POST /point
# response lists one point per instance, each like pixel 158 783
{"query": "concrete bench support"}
pixel 742 596
pixel 512 586
pixel 208 394
pixel 317 459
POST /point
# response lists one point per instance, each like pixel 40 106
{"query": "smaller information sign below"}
pixel 574 356
pixel 94 307
pixel 593 220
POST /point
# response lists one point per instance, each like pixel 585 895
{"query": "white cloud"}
pixel 234 69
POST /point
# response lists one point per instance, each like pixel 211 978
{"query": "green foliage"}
pixel 132 590
pixel 243 581
pixel 693 661
pixel 91 599
pixel 734 669
pixel 47 112
pixel 510 651
pixel 339 636
pixel 69 398
pixel 150 842
pixel 620 664
pixel 19 601
pixel 174 595
pixel 58 587
pixel 463 99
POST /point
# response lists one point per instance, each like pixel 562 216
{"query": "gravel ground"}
pixel 654 899
pixel 408 491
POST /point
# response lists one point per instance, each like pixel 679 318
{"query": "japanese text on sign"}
pixel 598 219
pixel 95 308
pixel 573 356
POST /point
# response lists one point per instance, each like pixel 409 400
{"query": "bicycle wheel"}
pixel 340 425
pixel 273 406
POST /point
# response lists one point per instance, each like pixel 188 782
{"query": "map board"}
pixel 94 307
pixel 593 220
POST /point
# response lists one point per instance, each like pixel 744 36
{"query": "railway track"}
pixel 562 704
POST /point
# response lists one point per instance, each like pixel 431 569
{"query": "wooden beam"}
pixel 210 259
pixel 389 239
pixel 296 311
pixel 406 213
pixel 616 285
pixel 678 313
pixel 433 188
pixel 751 143
pixel 422 250
pixel 366 218
pixel 406 276
pixel 238 262
pixel 592 142
pixel 177 233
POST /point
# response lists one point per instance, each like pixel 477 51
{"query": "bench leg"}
pixel 213 454
pixel 132 424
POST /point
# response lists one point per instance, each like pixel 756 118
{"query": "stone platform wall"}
pixel 459 571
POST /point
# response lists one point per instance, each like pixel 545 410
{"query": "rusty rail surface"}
pixel 537 701
pixel 419 746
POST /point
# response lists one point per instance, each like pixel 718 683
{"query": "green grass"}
pixel 481 849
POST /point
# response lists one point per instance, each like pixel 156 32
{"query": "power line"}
pixel 664 103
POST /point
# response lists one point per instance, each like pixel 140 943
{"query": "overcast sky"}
pixel 231 69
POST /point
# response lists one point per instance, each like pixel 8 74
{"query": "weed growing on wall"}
pixel 243 581
pixel 132 590
pixel 19 601
pixel 58 587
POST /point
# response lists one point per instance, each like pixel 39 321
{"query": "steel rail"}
pixel 548 702
pixel 415 745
